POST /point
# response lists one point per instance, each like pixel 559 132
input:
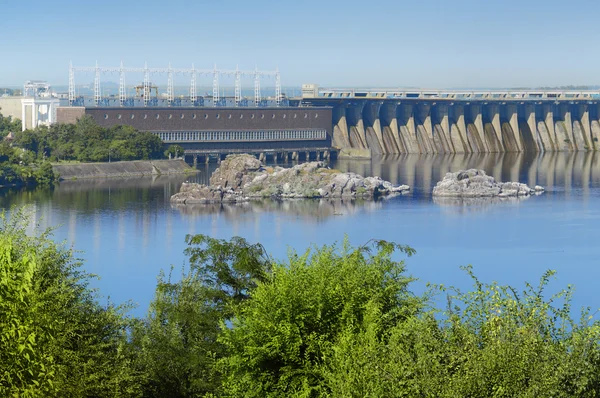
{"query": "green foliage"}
pixel 55 339
pixel 490 342
pixel 44 175
pixel 86 141
pixel 179 341
pixel 174 151
pixel 7 125
pixel 18 167
pixel 281 336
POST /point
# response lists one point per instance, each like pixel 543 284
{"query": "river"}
pixel 126 231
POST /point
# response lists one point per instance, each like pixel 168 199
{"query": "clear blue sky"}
pixel 446 44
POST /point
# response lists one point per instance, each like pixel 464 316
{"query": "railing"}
pixel 391 93
pixel 242 136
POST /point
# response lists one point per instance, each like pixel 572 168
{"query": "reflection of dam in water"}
pixel 556 170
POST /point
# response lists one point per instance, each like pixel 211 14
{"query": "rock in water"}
pixel 243 177
pixel 235 171
pixel 475 183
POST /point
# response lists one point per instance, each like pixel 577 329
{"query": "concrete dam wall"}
pixel 136 168
pixel 443 126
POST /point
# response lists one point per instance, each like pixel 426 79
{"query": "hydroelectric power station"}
pixel 434 121
pixel 357 122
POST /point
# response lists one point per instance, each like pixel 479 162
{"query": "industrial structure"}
pixel 36 107
pixel 208 126
pixel 144 91
pixel 210 133
pixel 450 121
pixel 364 121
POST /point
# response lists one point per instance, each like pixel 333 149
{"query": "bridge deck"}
pixel 451 95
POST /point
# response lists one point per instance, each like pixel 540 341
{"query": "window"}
pixel 316 115
pixel 118 115
pixel 158 116
pixel 206 116
pixel 194 116
pixel 241 115
pixel 218 116
pixel 170 116
pixel 182 115
pixel 106 115
pixel 132 115
pixel 229 116
pixel 145 116
pixel 284 115
pixel 273 117
pixel 252 117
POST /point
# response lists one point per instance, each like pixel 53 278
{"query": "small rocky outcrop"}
pixel 475 183
pixel 243 177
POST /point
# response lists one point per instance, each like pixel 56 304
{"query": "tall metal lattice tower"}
pixel 193 85
pixel 277 87
pixel 97 93
pixel 71 84
pixel 215 86
pixel 170 94
pixel 256 88
pixel 147 88
pixel 122 90
pixel 238 86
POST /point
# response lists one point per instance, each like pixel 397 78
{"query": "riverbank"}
pixel 136 168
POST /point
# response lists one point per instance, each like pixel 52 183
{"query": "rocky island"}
pixel 475 183
pixel 243 177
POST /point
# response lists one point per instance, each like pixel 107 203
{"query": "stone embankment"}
pixel 475 183
pixel 242 177
pixel 134 168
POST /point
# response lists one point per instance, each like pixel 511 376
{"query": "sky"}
pixel 383 43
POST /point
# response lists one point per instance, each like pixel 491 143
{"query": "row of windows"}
pixel 262 135
pixel 206 116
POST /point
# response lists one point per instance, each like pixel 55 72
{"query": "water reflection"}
pixel 470 205
pixel 565 170
pixel 313 209
pixel 555 171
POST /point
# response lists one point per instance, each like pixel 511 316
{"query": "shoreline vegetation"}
pixel 333 321
pixel 26 157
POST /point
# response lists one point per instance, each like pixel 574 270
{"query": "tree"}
pixel 280 337
pixel 44 175
pixel 55 339
pixel 174 151
pixel 179 339
pixel 7 125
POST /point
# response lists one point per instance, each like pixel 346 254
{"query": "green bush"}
pixel 281 337
pixel 55 339
pixel 86 141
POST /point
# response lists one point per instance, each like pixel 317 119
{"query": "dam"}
pixel 427 122
pixel 357 122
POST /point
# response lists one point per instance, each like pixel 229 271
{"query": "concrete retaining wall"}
pixel 122 169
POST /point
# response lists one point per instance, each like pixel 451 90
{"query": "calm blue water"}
pixel 127 231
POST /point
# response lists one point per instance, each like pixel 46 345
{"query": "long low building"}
pixel 201 130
